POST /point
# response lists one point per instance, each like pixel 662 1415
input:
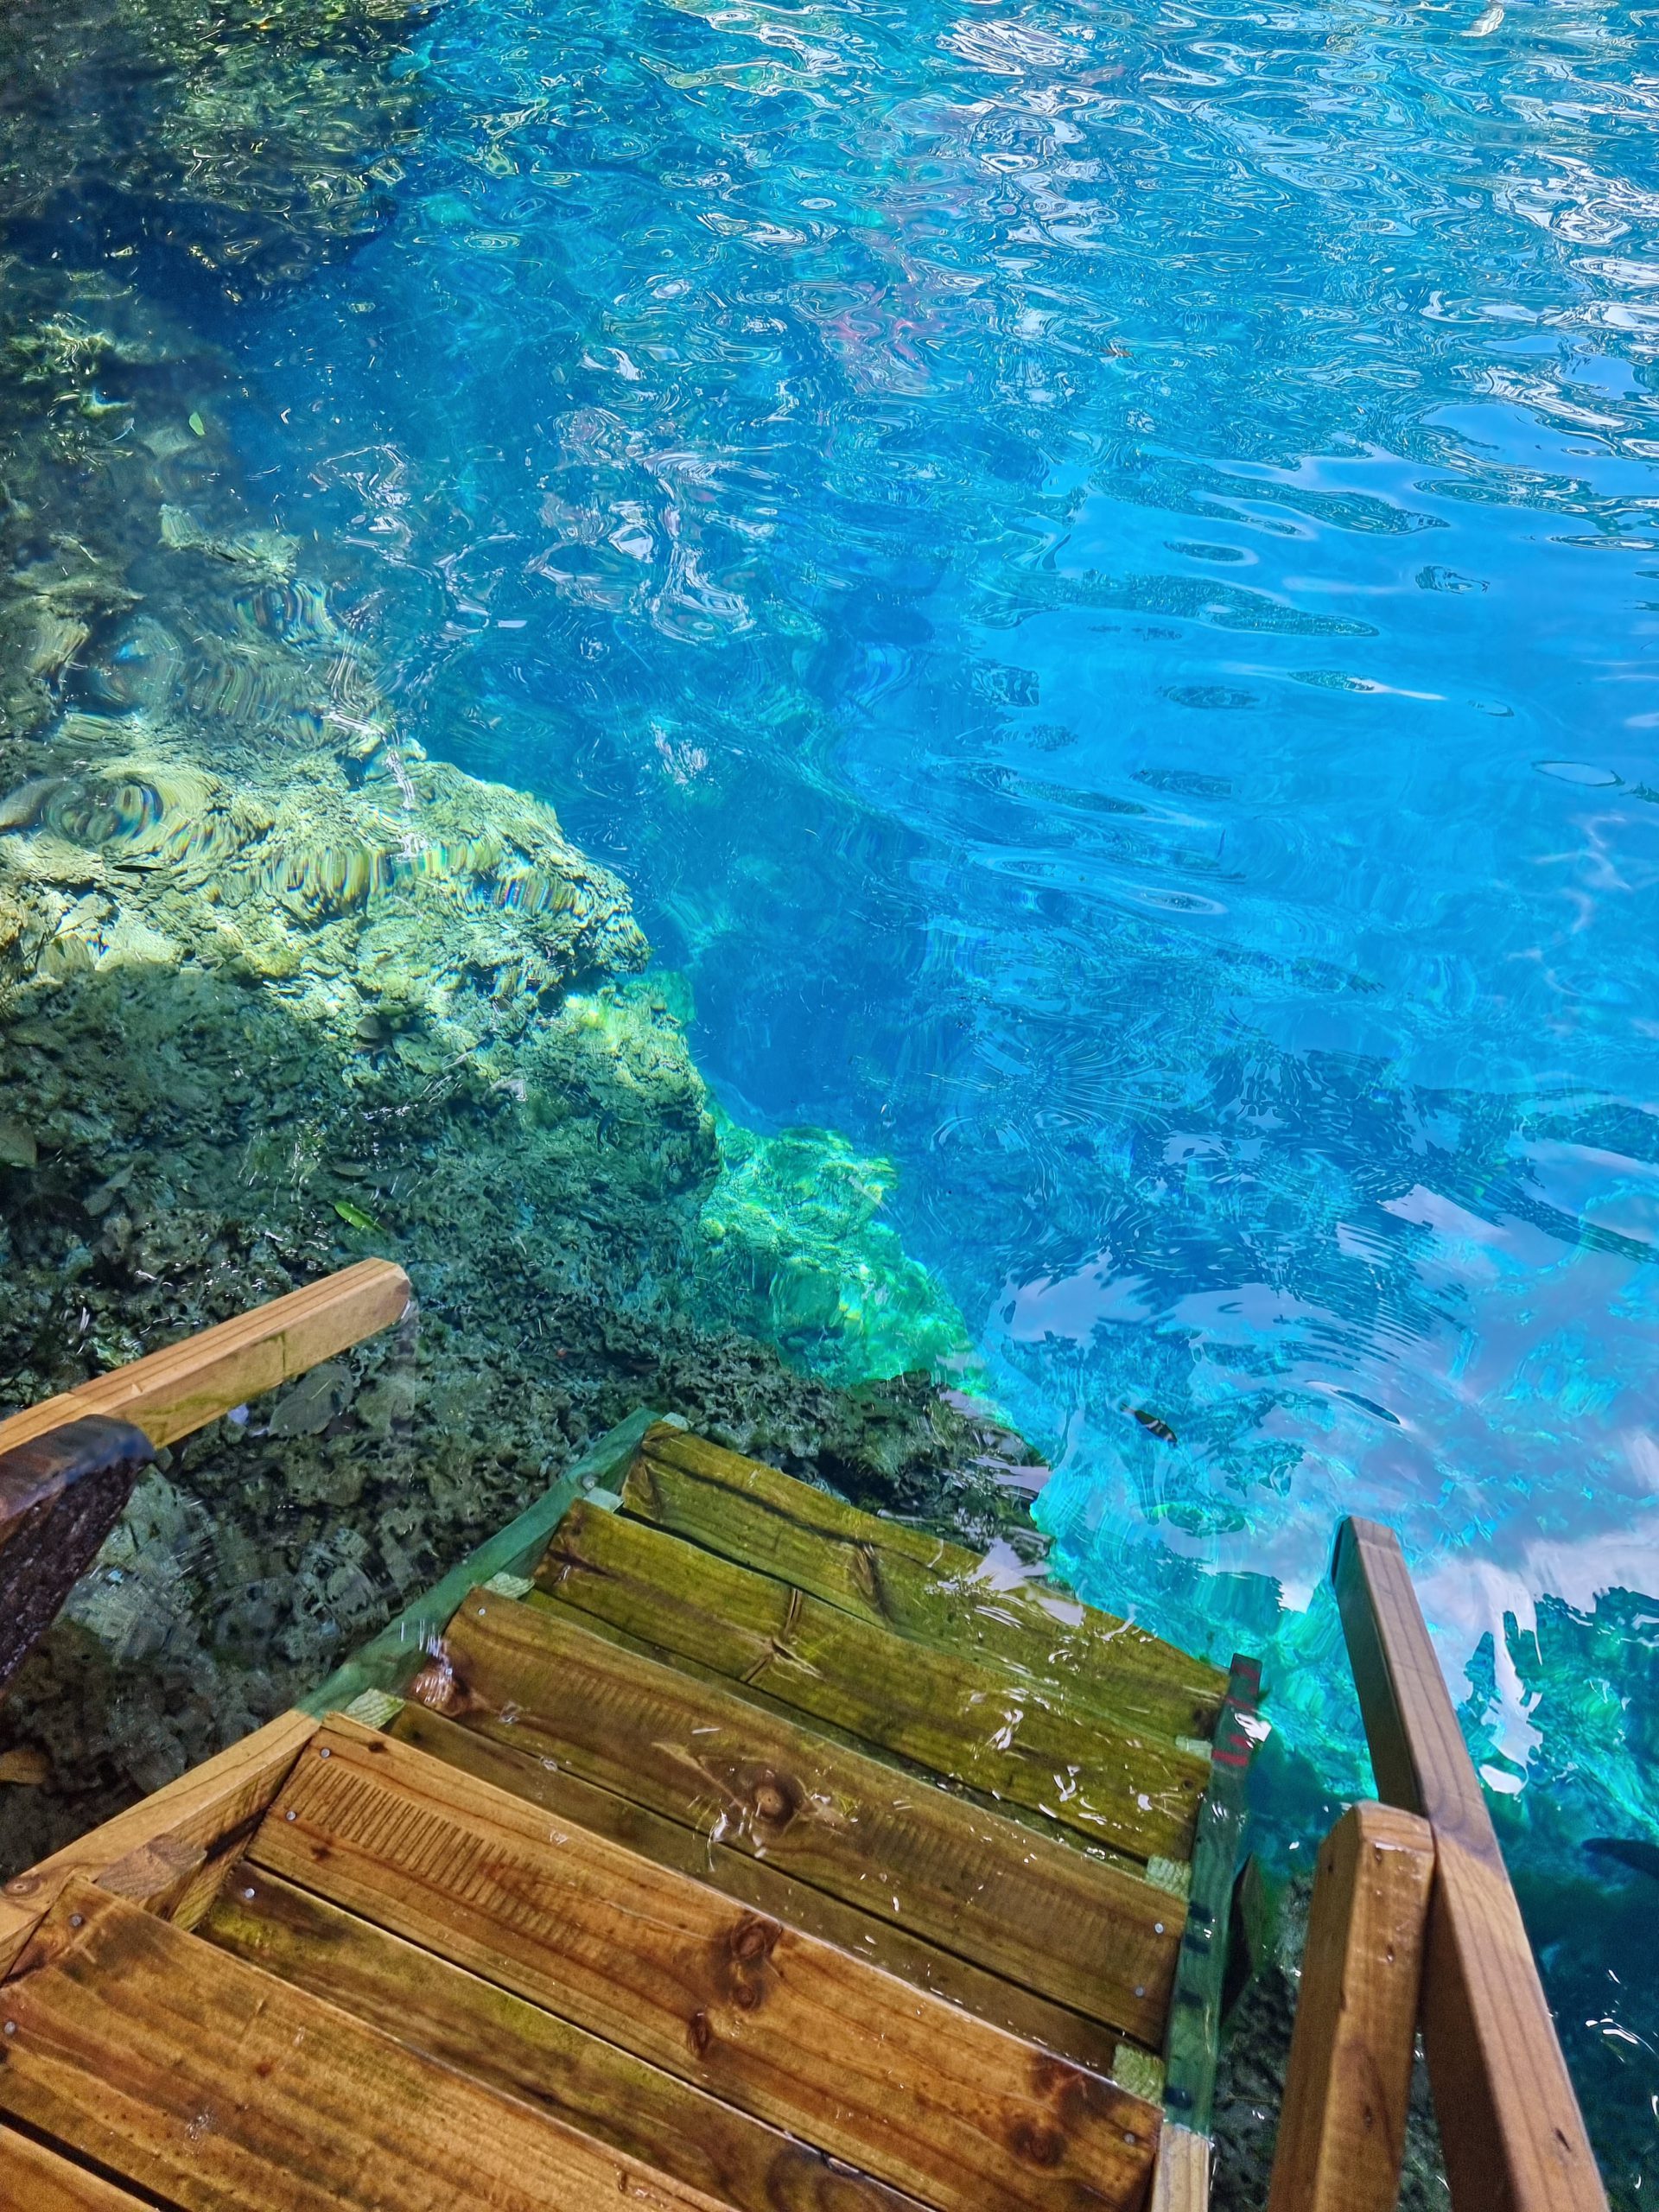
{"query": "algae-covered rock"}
pixel 277 989
pixel 252 138
pixel 795 1244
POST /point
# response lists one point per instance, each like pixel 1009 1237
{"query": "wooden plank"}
pixel 1513 2137
pixel 168 1394
pixel 391 1660
pixel 34 2179
pixel 1193 2040
pixel 202 1810
pixel 918 1584
pixel 518 2048
pixel 791 2030
pixel 212 2084
pixel 1088 1935
pixel 61 1495
pixel 1342 2127
pixel 1180 2180
pixel 968 1719
pixel 763 1887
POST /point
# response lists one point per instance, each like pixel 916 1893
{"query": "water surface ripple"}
pixel 1096 572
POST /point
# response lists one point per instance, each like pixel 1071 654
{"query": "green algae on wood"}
pixel 918 1584
pixel 967 1718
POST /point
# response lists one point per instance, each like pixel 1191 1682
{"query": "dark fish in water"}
pixel 1161 1429
pixel 1627 1851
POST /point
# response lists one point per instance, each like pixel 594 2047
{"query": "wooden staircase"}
pixel 704 1841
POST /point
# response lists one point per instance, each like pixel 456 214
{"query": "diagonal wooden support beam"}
pixel 1513 2137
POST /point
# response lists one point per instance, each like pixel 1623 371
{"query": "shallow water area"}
pixel 1093 572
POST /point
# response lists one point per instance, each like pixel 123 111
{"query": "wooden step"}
pixel 515 2046
pixel 766 1888
pixel 919 1585
pixel 34 2179
pixel 788 2029
pixel 1088 1935
pixel 210 2084
pixel 968 1719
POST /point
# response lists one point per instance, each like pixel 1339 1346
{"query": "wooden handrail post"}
pixel 1513 2137
pixel 1342 2127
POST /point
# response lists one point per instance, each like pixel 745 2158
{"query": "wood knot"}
pixel 1038 2145
pixel 753 1939
pixel 699 2034
pixel 438 1687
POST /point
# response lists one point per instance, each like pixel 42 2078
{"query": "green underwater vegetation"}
pixel 276 990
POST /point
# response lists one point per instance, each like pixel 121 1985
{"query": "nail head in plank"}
pixel 1342 2126
pixel 170 1393
pixel 1513 2136
pixel 1088 1935
pixel 516 2047
pixel 796 2032
pixel 970 1720
pixel 766 1888
pixel 920 1585
pixel 211 2084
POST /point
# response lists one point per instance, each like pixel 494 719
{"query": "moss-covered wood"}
pixel 1086 1934
pixel 530 2054
pixel 208 2083
pixel 789 2030
pixel 1193 2040
pixel 919 1585
pixel 549 1783
pixel 968 1719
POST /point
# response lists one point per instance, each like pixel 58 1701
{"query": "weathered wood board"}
pixel 1513 2135
pixel 34 2179
pixel 1087 1936
pixel 920 1585
pixel 766 1888
pixel 1342 2127
pixel 972 1720
pixel 210 2084
pixel 170 1393
pixel 514 2046
pixel 1193 2038
pixel 915 2092
pixel 203 1808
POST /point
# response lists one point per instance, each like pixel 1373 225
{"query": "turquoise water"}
pixel 1094 571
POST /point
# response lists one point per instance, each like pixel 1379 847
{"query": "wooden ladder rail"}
pixel 1511 2130
pixel 67 1465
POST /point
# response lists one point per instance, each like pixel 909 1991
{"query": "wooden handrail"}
pixel 68 1464
pixel 1342 2126
pixel 168 1393
pixel 1513 2135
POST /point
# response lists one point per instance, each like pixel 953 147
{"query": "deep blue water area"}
pixel 1095 570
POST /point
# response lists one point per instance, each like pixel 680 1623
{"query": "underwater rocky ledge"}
pixel 276 990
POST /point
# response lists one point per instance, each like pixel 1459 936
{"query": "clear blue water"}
pixel 1096 572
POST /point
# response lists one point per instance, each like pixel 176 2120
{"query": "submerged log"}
pixel 61 1495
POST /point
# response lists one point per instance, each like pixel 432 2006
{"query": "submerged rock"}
pixel 277 989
